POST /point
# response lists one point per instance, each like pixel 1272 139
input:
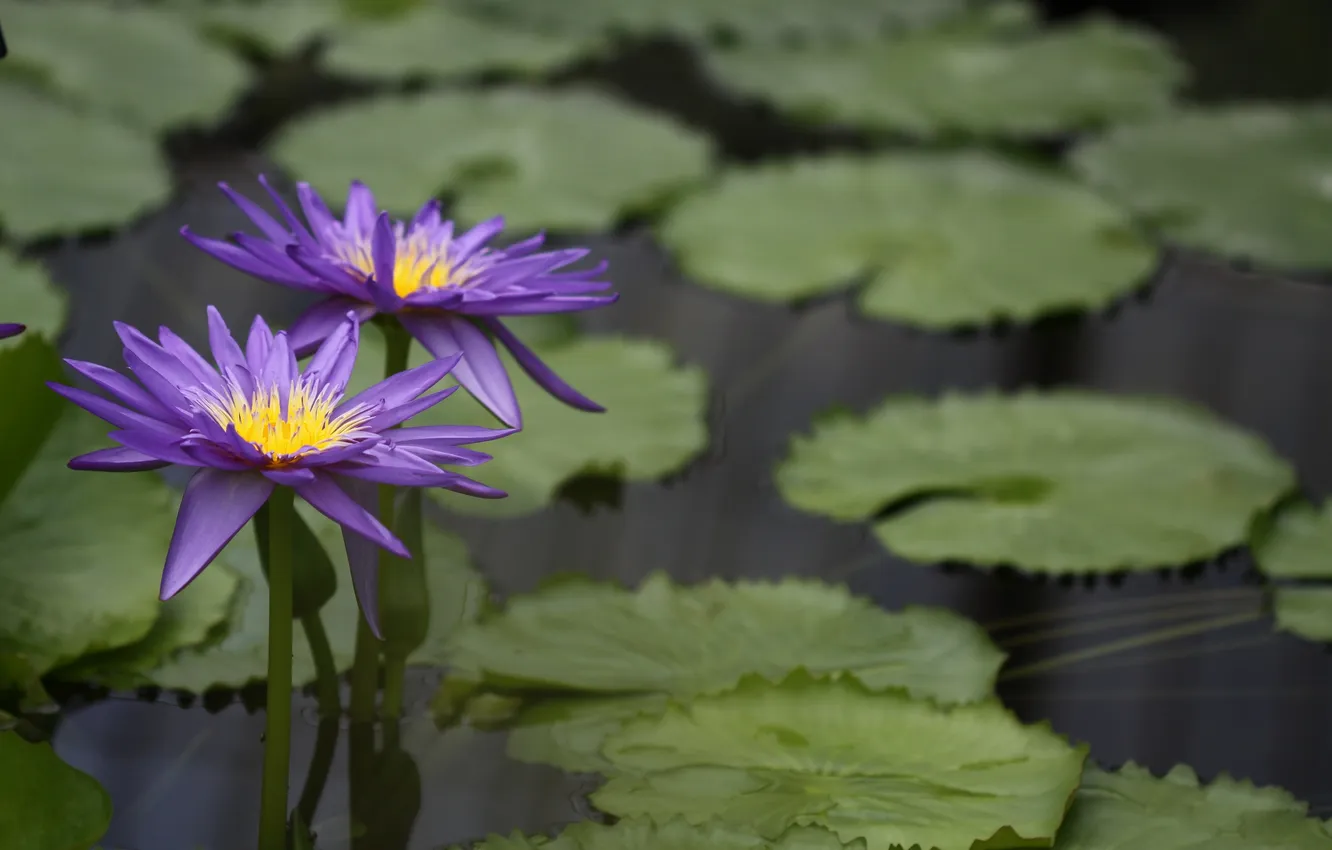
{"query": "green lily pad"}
pixel 1304 611
pixel 1299 544
pixel 276 29
pixel 942 239
pixel 893 771
pixel 642 834
pixel 435 41
pixel 1059 482
pixel 145 65
pixel 1038 83
pixel 51 150
pixel 1241 181
pixel 31 410
pixel 1130 809
pixel 456 593
pixel 588 636
pixel 48 805
pixel 568 733
pixel 28 296
pixel 82 552
pixel 575 161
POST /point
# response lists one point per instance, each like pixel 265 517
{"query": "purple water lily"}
pixel 8 329
pixel 448 291
pixel 255 422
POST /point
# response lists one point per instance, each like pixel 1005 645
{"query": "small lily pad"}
pixel 885 768
pixel 1129 808
pixel 588 636
pixel 642 834
pixel 27 295
pixel 1059 482
pixel 1299 543
pixel 941 240
pixel 47 804
pixel 1242 181
pixel 569 732
pixel 1304 611
pixel 433 40
pixel 68 171
pixel 1036 83
pixel 575 161
pixel 145 65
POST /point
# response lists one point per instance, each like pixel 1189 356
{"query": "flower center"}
pixel 415 267
pixel 305 425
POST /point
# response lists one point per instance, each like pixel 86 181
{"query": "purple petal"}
pixel 480 371
pixel 384 253
pixel 8 329
pixel 201 370
pixel 397 415
pixel 535 306
pixel 451 455
pixel 468 243
pixel 283 275
pixel 335 358
pixel 166 391
pixel 110 411
pixel 317 322
pixel 339 454
pixel 216 505
pixel 156 445
pixel 325 496
pixel 116 460
pixel 449 435
pixel 540 372
pixel 428 217
pixel 316 212
pixel 281 369
pixel 331 276
pixel 121 387
pixel 296 230
pixel 227 352
pixel 363 556
pixel 359 217
pixel 207 454
pixel 397 390
pixel 257 346
pixel 289 477
pixel 256 214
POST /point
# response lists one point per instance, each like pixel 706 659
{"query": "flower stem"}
pixel 395 673
pixel 326 670
pixel 277 733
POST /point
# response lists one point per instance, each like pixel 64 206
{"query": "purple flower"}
pixel 7 330
pixel 255 421
pixel 447 290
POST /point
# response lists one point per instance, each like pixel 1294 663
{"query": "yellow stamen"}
pixel 306 426
pixel 415 266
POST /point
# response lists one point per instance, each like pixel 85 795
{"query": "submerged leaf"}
pixel 569 160
pixel 1042 82
pixel 894 771
pixel 1059 482
pixel 1130 809
pixel 942 239
pixel 44 803
pixel 1304 611
pixel 1241 181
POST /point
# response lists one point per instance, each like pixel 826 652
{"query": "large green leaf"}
pixel 277 29
pixel 1130 809
pixel 570 160
pixel 436 41
pixel 653 424
pixel 1043 82
pixel 894 771
pixel 28 296
pixel 642 834
pixel 582 635
pixel 944 239
pixel 456 594
pixel 67 171
pixel 569 732
pixel 1061 482
pixel 30 410
pixel 145 65
pixel 1304 611
pixel 1299 543
pixel 44 803
pixel 1242 181
pixel 82 552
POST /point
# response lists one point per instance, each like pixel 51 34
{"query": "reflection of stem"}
pixel 326 671
pixel 277 737
pixel 1199 598
pixel 326 744
pixel 361 780
pixel 1136 618
pixel 1159 636
pixel 395 673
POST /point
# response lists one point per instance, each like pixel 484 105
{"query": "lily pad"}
pixel 31 410
pixel 456 593
pixel 941 240
pixel 1304 611
pixel 27 295
pixel 588 636
pixel 1242 181
pixel 575 161
pixel 276 29
pixel 145 65
pixel 52 152
pixel 1058 482
pixel 885 768
pixel 569 732
pixel 642 834
pixel 1130 808
pixel 82 552
pixel 47 803
pixel 1038 83
pixel 433 40
pixel 1299 543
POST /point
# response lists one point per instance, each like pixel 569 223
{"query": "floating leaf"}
pixel 31 410
pixel 894 771
pixel 143 64
pixel 1244 181
pixel 82 552
pixel 435 41
pixel 1059 482
pixel 28 296
pixel 581 635
pixel 642 834
pixel 274 28
pixel 456 595
pixel 569 733
pixel 570 161
pixel 1042 82
pixel 653 424
pixel 1129 809
pixel 944 239
pixel 48 805
pixel 1304 611
pixel 1299 544
pixel 52 153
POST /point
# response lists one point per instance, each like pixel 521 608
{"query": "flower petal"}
pixel 316 212
pixel 296 229
pixel 397 390
pixel 468 243
pixel 325 496
pixel 536 306
pixel 202 371
pixel 540 372
pixel 110 411
pixel 257 345
pixel 241 260
pixel 384 254
pixel 359 217
pixel 363 556
pixel 289 477
pixel 216 505
pixel 165 391
pixel 449 435
pixel 397 415
pixel 116 459
pixel 153 444
pixel 227 352
pixel 480 371
pixel 256 214
pixel 318 321
pixel 121 387
pixel 336 357
pixel 8 329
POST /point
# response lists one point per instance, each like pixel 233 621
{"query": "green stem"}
pixel 326 670
pixel 277 737
pixel 395 674
pixel 365 665
pixel 326 745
